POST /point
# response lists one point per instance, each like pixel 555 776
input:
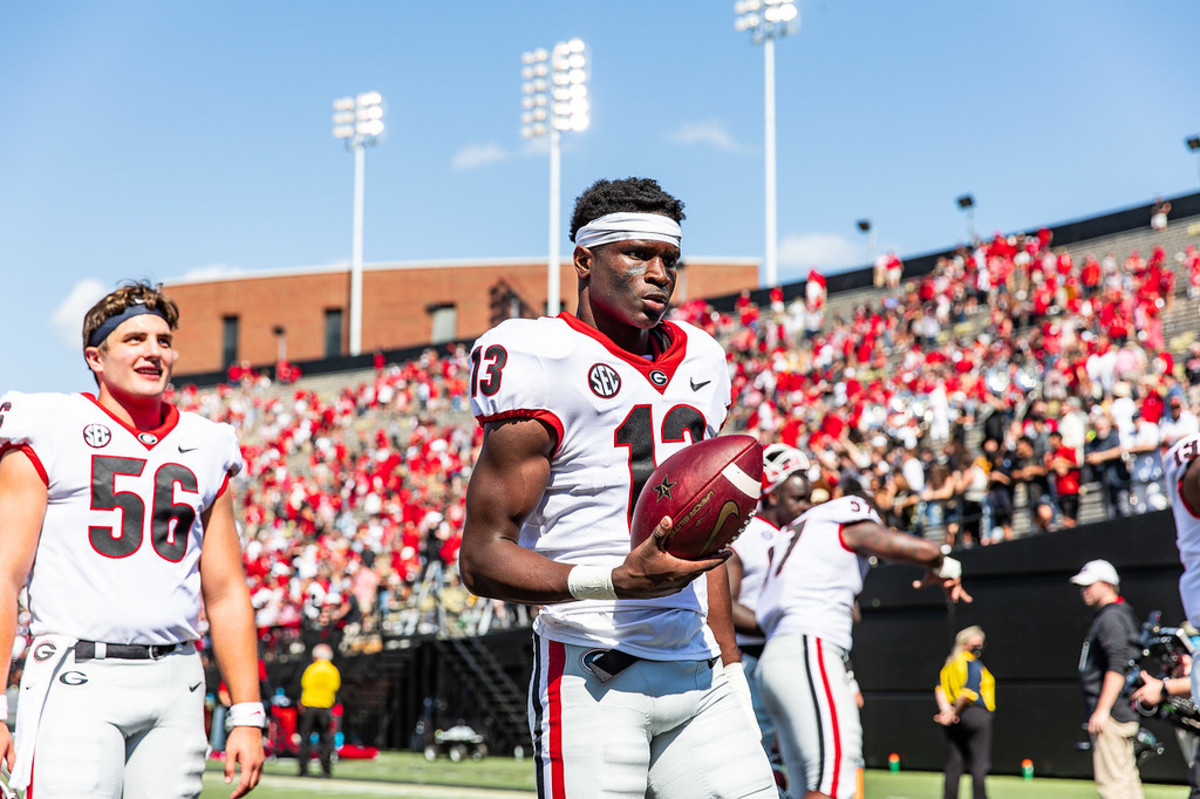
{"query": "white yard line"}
pixel 340 787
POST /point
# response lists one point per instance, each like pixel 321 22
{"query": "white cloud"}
pixel 710 132
pixel 538 145
pixel 67 318
pixel 474 156
pixel 212 271
pixel 826 251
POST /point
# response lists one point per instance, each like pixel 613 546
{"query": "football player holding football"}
pixel 117 516
pixel 634 650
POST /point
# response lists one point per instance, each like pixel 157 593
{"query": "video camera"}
pixel 1163 650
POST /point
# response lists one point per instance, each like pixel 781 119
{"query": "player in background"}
pixel 806 610
pixel 786 490
pixel 634 650
pixel 1181 465
pixel 116 514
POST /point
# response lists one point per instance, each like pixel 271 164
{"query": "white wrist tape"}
pixel 4 706
pixel 247 714
pixel 950 569
pixel 591 582
pixel 735 675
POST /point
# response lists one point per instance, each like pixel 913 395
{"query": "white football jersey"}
pixel 616 417
pixel 1187 522
pixel 814 577
pixel 753 548
pixel 118 557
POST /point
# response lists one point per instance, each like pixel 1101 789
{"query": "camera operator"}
pixel 1153 692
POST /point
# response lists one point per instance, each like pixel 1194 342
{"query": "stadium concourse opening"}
pixel 352 497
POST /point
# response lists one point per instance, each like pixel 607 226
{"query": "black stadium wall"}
pixel 1034 618
pixel 1035 621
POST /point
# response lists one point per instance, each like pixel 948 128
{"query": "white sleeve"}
pixel 20 418
pixel 233 453
pixel 1180 457
pixel 508 377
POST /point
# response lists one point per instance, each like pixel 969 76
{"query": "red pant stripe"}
pixel 557 662
pixel 833 720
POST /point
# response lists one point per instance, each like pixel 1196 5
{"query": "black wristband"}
pixel 1163 693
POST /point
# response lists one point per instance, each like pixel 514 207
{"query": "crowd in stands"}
pixel 994 390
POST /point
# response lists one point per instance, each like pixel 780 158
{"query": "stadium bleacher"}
pixel 352 502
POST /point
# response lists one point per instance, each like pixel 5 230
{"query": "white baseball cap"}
pixel 1097 571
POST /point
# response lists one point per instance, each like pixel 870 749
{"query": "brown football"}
pixel 709 489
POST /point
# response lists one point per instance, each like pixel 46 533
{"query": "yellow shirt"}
pixel 319 684
pixel 955 676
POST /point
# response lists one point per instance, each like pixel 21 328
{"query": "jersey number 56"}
pixel 170 521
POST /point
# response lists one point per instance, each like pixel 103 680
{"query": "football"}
pixel 709 489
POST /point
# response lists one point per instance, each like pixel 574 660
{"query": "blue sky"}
pixel 162 140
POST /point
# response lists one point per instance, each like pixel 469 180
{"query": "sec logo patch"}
pixel 604 381
pixel 97 435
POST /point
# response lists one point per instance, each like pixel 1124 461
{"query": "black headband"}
pixel 113 322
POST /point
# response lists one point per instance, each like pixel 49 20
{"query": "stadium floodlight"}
pixel 554 99
pixel 967 203
pixel 358 121
pixel 768 20
pixel 864 227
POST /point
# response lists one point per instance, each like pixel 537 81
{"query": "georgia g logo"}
pixel 604 381
pixel 658 377
pixel 97 435
pixel 44 651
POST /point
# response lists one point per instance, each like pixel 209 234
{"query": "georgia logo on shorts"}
pixel 604 381
pixel 97 435
pixel 591 656
pixel 658 377
pixel 72 678
pixel 44 651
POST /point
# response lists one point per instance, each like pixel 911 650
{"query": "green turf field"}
pixel 401 775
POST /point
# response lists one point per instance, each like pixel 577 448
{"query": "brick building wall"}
pixel 397 303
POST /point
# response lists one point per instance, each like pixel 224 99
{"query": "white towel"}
pixel 45 658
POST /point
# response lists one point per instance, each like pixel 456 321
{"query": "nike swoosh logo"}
pixel 697 386
pixel 183 449
pixel 193 688
pixel 730 508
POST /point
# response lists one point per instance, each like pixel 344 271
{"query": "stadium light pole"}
pixel 768 20
pixel 554 99
pixel 1193 145
pixel 967 203
pixel 359 122
pixel 864 227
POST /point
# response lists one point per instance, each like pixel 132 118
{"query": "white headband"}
pixel 623 226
